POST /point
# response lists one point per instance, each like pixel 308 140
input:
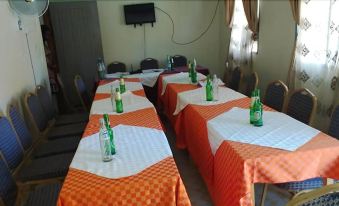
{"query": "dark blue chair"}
pixel 236 79
pixel 42 195
pixel 37 169
pixel 116 67
pixel 302 105
pixel 47 148
pixel 275 95
pixel 40 120
pixel 334 125
pixel 48 107
pixel 179 61
pixel 149 63
pixel 83 94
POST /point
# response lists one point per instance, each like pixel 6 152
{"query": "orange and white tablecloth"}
pixel 235 167
pixel 159 184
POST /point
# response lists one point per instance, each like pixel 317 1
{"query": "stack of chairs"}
pixel 33 165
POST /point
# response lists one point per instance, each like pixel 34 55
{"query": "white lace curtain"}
pixel 241 40
pixel 316 56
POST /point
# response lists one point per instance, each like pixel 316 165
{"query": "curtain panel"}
pixel 229 8
pixel 252 16
pixel 295 7
pixel 315 64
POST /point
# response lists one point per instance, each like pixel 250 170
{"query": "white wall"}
pixel 276 38
pixel 126 43
pixel 15 66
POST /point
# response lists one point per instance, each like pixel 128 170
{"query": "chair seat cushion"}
pixel 58 146
pixel 46 168
pixel 65 119
pixel 325 200
pixel 66 131
pixel 44 195
pixel 296 187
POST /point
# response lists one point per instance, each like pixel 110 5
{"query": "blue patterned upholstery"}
pixel 149 63
pixel 179 61
pixel 46 102
pixel 275 95
pixel 331 199
pixel 235 79
pixel 9 145
pixel 37 112
pixel 300 106
pixel 296 187
pixel 334 125
pixel 81 87
pixel 8 188
pixel 20 128
pixel 116 67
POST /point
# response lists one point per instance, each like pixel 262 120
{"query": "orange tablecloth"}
pixel 159 184
pixel 230 173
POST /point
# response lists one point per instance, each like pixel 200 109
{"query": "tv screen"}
pixel 139 13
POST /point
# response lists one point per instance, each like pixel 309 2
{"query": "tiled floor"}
pixel 195 185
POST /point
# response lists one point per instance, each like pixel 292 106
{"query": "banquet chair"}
pixel 116 67
pixel 46 148
pixel 82 93
pixel 179 61
pixel 11 194
pixel 24 168
pixel 47 105
pixel 236 79
pixel 275 95
pixel 40 121
pixel 325 196
pixel 149 63
pixel 69 106
pixel 334 124
pixel 302 106
pixel 252 83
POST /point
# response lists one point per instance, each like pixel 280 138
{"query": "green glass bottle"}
pixel 122 85
pixel 257 113
pixel 209 90
pixel 189 67
pixel 118 101
pixel 110 133
pixel 253 98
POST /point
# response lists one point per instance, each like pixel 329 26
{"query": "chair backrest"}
pixel 116 67
pixel 179 61
pixel 9 145
pixel 82 92
pixel 8 188
pixel 334 125
pixel 275 95
pixel 252 83
pixel 20 127
pixel 46 101
pixel 149 63
pixel 36 112
pixel 236 79
pixel 63 92
pixel 302 105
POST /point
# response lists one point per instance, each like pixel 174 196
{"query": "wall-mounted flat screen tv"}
pixel 139 13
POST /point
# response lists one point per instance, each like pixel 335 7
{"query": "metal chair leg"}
pixel 263 196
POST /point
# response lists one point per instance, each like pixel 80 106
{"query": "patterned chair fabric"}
pixel 116 67
pixel 334 125
pixel 331 199
pixel 9 145
pixel 275 95
pixel 82 92
pixel 8 188
pixel 252 83
pixel 301 105
pixel 149 63
pixel 296 187
pixel 20 127
pixel 38 114
pixel 46 102
pixel 44 195
pixel 235 79
pixel 179 61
